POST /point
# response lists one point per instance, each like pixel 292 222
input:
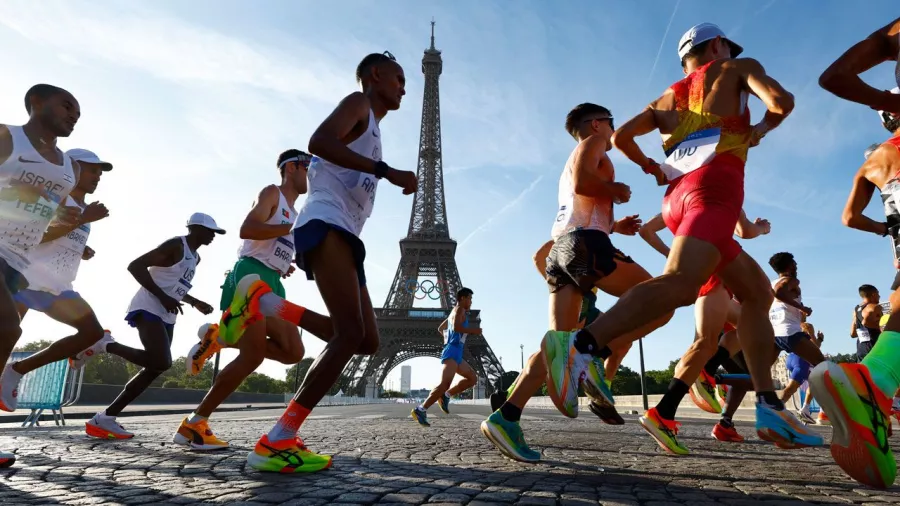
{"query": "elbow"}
pixel 784 104
pixel 619 139
pixel 244 232
pixel 315 144
pixel 134 267
pixel 848 219
pixel 645 233
pixel 827 80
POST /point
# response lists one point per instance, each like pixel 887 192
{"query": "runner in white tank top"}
pixel 54 265
pixel 343 177
pixel 165 274
pixel 266 252
pixel 34 177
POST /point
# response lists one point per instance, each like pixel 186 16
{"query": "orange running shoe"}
pixel 198 436
pixel 208 346
pixel 727 434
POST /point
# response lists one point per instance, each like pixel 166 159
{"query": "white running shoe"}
pixel 7 459
pixel 9 388
pixel 82 357
pixel 106 427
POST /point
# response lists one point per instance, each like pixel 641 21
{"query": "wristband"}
pixel 381 169
pixel 887 230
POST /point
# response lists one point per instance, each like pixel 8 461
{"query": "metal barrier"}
pixel 330 400
pixel 52 387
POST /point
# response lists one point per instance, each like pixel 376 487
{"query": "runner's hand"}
pixel 807 310
pixel 404 179
pixel 290 271
pixel 203 307
pixel 756 135
pixel 628 225
pixel 88 253
pixel 69 215
pixel 171 305
pixel 621 192
pixel 24 192
pixel 656 171
pixel 95 211
pixel 764 225
pixel 820 335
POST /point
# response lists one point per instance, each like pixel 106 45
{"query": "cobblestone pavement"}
pixel 381 456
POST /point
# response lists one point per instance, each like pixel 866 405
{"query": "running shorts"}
pixel 243 267
pixel 797 368
pixel 581 258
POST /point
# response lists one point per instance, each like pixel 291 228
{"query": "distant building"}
pixel 405 378
pixel 780 373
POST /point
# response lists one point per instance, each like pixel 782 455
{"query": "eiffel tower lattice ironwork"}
pixel 427 252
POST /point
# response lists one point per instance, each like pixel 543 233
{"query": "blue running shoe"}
pixel 508 438
pixel 421 416
pixel 444 403
pixel 784 429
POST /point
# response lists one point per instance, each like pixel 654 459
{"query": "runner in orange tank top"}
pixel 706 130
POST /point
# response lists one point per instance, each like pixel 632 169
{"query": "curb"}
pixel 86 415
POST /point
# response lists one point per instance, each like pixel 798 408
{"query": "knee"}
pixel 683 288
pixel 160 365
pixel 11 330
pixel 90 330
pixel 369 344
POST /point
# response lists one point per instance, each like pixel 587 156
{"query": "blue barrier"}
pixel 52 387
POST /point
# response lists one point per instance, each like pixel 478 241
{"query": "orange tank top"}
pixel 701 136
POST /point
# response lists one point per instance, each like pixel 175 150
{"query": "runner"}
pixel 862 449
pixel 35 176
pixel 705 124
pixel 343 177
pixel 581 258
pixel 455 329
pixel 798 370
pixel 54 266
pixel 165 275
pixel 866 321
pixel 714 311
pixel 842 76
pixel 267 250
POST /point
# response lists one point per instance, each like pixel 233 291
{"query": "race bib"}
pixel 183 285
pixel 364 193
pixel 695 151
pixel 562 220
pixel 76 240
pixel 777 315
pixel 282 254
pixel 862 333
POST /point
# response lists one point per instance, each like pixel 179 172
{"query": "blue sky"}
pixel 193 102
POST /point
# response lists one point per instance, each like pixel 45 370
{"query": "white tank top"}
pixel 785 319
pixel 577 211
pixel 54 264
pixel 276 253
pixel 452 336
pixel 339 196
pixel 23 225
pixel 175 281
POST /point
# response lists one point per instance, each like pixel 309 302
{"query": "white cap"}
pixel 206 221
pixel 702 33
pixel 85 155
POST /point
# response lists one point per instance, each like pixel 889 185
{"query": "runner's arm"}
pixel 458 324
pixel 59 229
pixel 842 77
pixel 255 226
pixel 166 254
pixel 328 140
pixel 650 234
pixel 623 138
pixel 778 101
pixel 860 196
pixel 442 327
pixel 586 179
pixel 781 293
pixel 540 258
pixel 746 229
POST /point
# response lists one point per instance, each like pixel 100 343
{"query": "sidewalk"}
pixel 79 412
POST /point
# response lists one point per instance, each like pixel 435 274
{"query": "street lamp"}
pixel 522 349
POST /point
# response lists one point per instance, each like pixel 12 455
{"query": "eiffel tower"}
pixel 427 254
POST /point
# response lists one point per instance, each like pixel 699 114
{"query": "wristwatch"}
pixel 381 169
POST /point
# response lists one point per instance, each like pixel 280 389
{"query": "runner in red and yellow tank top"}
pixel 704 122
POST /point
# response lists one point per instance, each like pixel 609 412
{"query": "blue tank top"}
pixel 453 337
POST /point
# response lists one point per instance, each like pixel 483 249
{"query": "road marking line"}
pixel 370 416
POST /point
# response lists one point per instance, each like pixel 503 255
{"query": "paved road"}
pixel 382 456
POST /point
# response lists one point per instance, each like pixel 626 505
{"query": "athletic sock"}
pixel 273 305
pixel 718 359
pixel 770 399
pixel 604 353
pixel 585 342
pixel 668 405
pixel 289 423
pixel 726 422
pixel 510 412
pixel 883 362
pixel 195 418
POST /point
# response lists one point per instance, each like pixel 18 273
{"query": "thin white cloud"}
pixel 662 43
pixel 503 210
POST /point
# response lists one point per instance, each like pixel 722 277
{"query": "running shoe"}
pixel 82 357
pixel 7 459
pixel 595 383
pixel 783 429
pixel 726 434
pixel 244 309
pixel 420 416
pixel 198 436
pixel 508 438
pixel 705 394
pixel 607 413
pixel 663 431
pixel 858 412
pixel 208 346
pixel 286 456
pixel 822 419
pixel 444 403
pixel 497 400
pixel 722 393
pixel 806 417
pixel 566 368
pixel 9 388
pixel 106 427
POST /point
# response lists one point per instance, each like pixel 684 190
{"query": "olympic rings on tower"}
pixel 428 288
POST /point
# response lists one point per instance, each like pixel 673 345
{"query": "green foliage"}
pixel 34 346
pixel 392 394
pixel 844 358
pixel 297 373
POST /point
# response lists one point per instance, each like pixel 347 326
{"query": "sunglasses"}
pixel 605 118
pixel 389 56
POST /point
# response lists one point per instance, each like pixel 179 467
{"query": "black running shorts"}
pixel 581 258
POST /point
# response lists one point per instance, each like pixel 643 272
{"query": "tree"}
pixel 34 345
pixel 297 373
pixel 261 384
pixel 844 358
pixel 626 382
pixel 392 394
pixel 107 369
